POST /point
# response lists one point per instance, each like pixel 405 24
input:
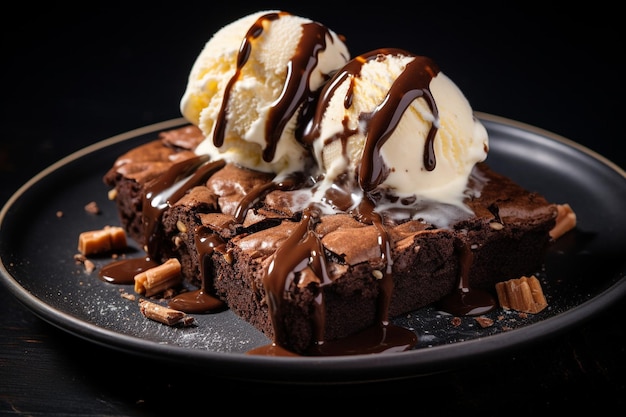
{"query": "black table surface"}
pixel 73 77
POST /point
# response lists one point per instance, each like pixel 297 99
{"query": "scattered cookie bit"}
pixel 92 208
pixel 165 315
pixel 522 294
pixel 82 259
pixel 170 293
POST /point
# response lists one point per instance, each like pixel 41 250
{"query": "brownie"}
pixel 133 170
pixel 245 239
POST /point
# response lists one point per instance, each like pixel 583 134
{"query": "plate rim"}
pixel 336 369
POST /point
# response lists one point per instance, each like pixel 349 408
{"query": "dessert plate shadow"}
pixel 584 274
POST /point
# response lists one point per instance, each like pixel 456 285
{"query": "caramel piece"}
pixel 523 294
pixel 164 315
pixel 565 221
pixel 158 279
pixel 108 239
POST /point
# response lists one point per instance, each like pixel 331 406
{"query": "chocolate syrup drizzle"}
pixel 167 189
pixel 303 252
pixel 464 300
pixel 160 194
pixel 413 83
pixel 200 300
pixel 291 182
pixel 296 91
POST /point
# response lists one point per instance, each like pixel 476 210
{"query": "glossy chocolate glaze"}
pixel 200 300
pixel 464 300
pixel 124 270
pixel 291 182
pixel 166 189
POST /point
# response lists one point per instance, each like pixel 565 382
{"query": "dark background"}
pixel 73 76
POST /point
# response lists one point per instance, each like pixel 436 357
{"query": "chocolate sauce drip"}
pixel 302 249
pixel 206 241
pixel 466 301
pixel 160 194
pixel 411 84
pixel 124 271
pixel 167 189
pixel 242 58
pixel 200 300
pixel 296 92
pixel 366 214
pixel 259 192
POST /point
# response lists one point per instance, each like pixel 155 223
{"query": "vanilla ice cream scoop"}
pixel 390 123
pixel 251 80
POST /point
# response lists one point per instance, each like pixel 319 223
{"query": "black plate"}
pixel 584 271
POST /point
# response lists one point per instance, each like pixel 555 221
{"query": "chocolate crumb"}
pixel 169 293
pixel 89 266
pixel 484 321
pixel 128 296
pixel 92 208
pixel 80 258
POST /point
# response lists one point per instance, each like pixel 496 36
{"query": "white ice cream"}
pixel 460 142
pixel 258 87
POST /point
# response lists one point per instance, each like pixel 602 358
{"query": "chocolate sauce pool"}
pixel 303 249
pixel 124 271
